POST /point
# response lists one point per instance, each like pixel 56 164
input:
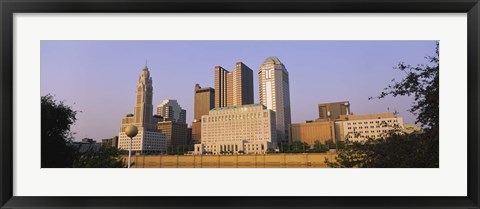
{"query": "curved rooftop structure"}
pixel 273 59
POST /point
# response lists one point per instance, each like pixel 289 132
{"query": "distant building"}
pixel 88 140
pixel 175 133
pixel 189 136
pixel 233 88
pixel 148 138
pixel 411 128
pixel 196 132
pixel 246 129
pixel 86 145
pixel 169 109
pixel 275 94
pixel 332 111
pixel 111 142
pixel 312 131
pixel 203 103
pixel 363 127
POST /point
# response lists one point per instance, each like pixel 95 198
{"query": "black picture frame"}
pixel 9 7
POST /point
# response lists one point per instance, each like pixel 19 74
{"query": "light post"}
pixel 131 131
pixel 330 126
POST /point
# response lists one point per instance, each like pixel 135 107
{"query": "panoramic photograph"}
pixel 239 104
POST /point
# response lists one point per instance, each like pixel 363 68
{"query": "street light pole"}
pixel 131 131
pixel 130 152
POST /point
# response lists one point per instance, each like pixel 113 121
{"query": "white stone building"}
pixel 145 141
pixel 363 127
pixel 248 129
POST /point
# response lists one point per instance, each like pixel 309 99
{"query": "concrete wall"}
pixel 311 160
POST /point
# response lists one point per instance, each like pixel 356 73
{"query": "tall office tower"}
pixel 275 94
pixel 170 110
pixel 233 88
pixel 333 110
pixel 203 103
pixel 148 137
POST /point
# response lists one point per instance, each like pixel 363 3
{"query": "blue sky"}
pixel 99 77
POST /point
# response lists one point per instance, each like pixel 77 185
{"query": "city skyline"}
pixel 174 65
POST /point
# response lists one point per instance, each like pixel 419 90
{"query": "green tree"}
pixel 421 82
pixel 104 157
pixel 404 150
pixel 318 147
pixel 298 147
pixel 395 151
pixel 330 144
pixel 57 150
pixel 56 119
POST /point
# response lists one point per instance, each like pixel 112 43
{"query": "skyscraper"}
pixel 170 110
pixel 203 103
pixel 148 137
pixel 233 88
pixel 143 110
pixel 275 94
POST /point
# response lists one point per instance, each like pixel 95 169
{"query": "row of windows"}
pixel 231 111
pixel 375 131
pixel 366 127
pixel 230 147
pixel 265 123
pixel 372 122
pixel 234 117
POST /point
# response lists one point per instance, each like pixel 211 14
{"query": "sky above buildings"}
pixel 99 78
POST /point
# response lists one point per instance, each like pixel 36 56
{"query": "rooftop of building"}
pixel 368 116
pixel 329 103
pixel 274 60
pixel 199 88
pixel 169 102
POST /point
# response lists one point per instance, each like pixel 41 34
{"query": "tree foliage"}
pixel 418 150
pixel 56 119
pixel 421 82
pixel 104 157
pixel 395 151
pixel 303 147
pixel 57 149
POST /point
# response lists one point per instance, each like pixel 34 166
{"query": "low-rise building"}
pixel 363 127
pixel 111 142
pixel 410 128
pixel 311 131
pixel 145 141
pixel 248 129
